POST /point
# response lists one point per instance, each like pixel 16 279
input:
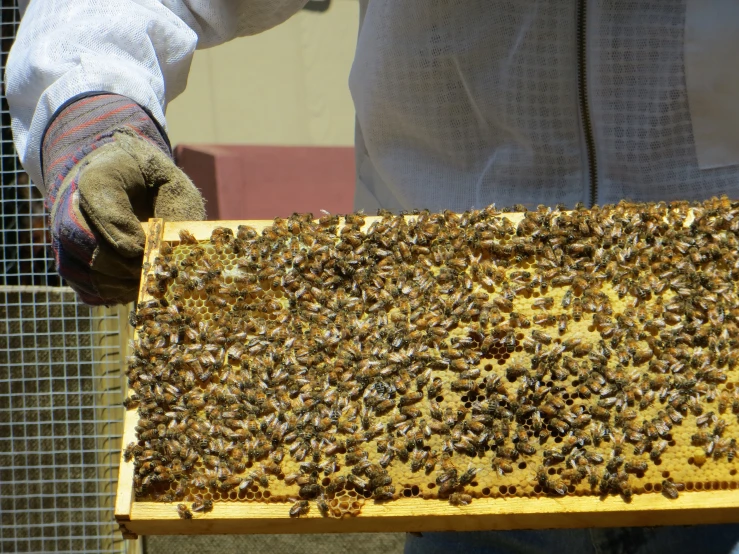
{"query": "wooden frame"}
pixel 111 353
pixel 407 514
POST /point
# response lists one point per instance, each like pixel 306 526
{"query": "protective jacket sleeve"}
pixel 141 49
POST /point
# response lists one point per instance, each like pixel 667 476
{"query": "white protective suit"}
pixel 460 103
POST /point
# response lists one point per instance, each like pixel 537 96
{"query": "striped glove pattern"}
pixel 107 166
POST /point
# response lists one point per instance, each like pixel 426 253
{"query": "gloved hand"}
pixel 107 166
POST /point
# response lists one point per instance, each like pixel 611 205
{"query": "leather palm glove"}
pixel 107 166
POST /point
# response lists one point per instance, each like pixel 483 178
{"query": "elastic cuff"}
pixel 90 94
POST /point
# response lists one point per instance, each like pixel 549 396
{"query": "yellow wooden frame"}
pixel 407 514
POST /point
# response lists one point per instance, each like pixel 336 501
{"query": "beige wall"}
pixel 287 86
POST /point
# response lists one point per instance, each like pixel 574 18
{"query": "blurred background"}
pixel 266 125
pixel 265 128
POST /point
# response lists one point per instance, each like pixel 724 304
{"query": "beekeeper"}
pixel 460 103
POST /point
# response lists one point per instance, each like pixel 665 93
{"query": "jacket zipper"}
pixel 582 83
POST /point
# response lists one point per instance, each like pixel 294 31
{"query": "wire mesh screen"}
pixel 60 380
pixel 23 239
pixel 60 398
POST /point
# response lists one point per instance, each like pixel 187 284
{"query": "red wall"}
pixel 264 182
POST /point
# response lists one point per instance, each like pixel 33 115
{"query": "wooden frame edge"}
pixel 415 514
pixel 124 493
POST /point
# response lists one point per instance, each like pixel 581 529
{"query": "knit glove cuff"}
pixel 107 167
pixel 85 125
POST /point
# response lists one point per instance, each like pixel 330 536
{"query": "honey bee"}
pixel 560 425
pixel 658 449
pixel 468 476
pixel 670 489
pixel 459 499
pixel 553 457
pixel 526 448
pixel 309 491
pixel 576 309
pixel 582 349
pixel 705 419
pixel 410 398
pixel 514 371
pixel 423 379
pixel 720 427
pixel 635 466
pixel 357 482
pixel 183 511
pixel 187 238
pixel 558 487
pixel 300 508
pixel 463 385
pixel 410 412
pixel 384 493
pixel 502 303
pixel 509 341
pixel 543 302
pixel 545 319
pixel 701 438
pixel 200 505
pixel 384 406
pixel 323 506
pixel 567 298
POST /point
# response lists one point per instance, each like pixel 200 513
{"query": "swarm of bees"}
pixel 441 355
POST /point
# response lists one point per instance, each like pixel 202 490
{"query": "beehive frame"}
pixel 407 514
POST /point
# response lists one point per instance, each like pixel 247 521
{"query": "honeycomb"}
pixel 324 363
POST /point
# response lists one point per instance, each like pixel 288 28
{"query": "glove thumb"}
pixel 177 198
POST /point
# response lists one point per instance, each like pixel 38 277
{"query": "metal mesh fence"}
pixel 60 380
pixel 23 239
pixel 60 398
